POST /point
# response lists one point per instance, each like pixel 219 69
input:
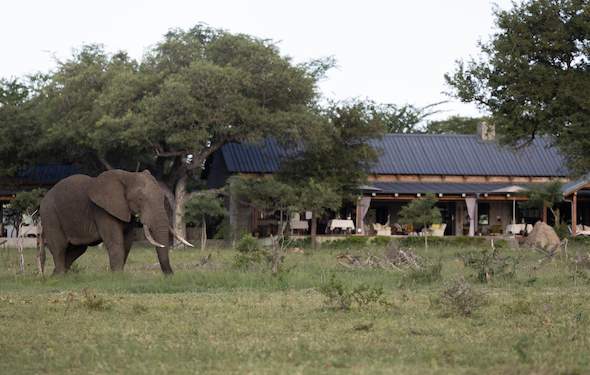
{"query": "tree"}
pixel 335 161
pixel 318 197
pixel 405 118
pixel 200 208
pixel 454 125
pixel 533 76
pixel 25 204
pixel 421 212
pixel 19 126
pixel 193 92
pixel 267 194
pixel 548 195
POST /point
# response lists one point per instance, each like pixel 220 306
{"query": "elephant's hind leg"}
pixel 55 241
pixel 73 252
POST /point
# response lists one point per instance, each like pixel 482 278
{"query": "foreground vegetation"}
pixel 318 315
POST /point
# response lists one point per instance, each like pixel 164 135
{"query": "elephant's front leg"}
pixel 111 232
pixel 127 242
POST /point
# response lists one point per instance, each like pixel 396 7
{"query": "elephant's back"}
pixel 69 196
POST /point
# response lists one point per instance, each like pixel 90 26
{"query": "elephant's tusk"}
pixel 177 236
pixel 150 238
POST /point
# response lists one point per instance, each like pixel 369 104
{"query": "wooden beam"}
pixel 545 214
pixel 574 214
pixel 358 220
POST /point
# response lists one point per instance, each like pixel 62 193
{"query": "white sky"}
pixel 393 51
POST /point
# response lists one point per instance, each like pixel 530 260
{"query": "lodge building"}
pixel 480 185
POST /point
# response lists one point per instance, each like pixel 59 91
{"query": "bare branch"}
pixel 105 163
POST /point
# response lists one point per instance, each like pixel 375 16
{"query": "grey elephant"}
pixel 81 211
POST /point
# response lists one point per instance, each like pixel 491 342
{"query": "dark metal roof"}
pixel 425 154
pixel 47 174
pixel 443 188
pixel 573 186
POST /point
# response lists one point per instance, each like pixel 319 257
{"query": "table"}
pixel 339 224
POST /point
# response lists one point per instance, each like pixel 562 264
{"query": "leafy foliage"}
pixel 454 125
pixel 25 203
pixel 267 193
pixel 459 298
pixel 405 118
pixel 421 212
pixel 547 195
pixel 489 265
pixel 340 297
pixel 533 75
pixel 250 253
pixel 203 206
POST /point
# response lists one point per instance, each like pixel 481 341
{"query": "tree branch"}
pixel 205 192
pixel 105 163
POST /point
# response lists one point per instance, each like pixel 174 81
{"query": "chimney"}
pixel 486 131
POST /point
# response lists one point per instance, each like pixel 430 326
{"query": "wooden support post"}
pixel 574 214
pixel 544 214
pixel 358 220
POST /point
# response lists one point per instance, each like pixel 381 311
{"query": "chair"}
pixel 296 224
pixel 437 230
pixel 382 229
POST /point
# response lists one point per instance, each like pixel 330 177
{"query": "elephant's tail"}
pixel 40 251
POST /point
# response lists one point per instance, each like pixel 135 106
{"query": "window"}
pixel 483 210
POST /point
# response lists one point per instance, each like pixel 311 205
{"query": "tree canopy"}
pixel 454 125
pixel 533 75
pixel 191 93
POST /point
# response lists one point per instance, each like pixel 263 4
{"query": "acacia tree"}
pixel 267 194
pixel 533 75
pixel 421 212
pixel 333 163
pixel 192 92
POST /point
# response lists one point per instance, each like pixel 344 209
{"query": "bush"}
pixel 459 298
pixel 250 253
pixel 562 231
pixel 350 242
pixel 427 274
pixel 381 241
pixel 340 297
pixel 248 244
pixel 489 264
pixel 455 241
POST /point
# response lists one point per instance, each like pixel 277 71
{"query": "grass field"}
pixel 528 318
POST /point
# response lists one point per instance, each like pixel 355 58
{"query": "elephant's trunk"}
pixel 161 236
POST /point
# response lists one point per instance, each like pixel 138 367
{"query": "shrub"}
pixel 489 264
pixel 459 298
pixel 381 241
pixel 561 230
pixel 340 297
pixel 454 241
pixel 350 242
pixel 427 274
pixel 249 253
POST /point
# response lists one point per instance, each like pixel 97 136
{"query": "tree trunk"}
pixel 314 229
pixel 556 215
pixel 179 207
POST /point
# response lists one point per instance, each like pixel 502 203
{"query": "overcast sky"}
pixel 388 51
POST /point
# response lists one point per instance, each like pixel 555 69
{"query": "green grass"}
pixel 216 319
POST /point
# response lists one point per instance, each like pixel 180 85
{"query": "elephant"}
pixel 81 211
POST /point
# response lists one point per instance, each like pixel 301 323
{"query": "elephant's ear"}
pixel 108 192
